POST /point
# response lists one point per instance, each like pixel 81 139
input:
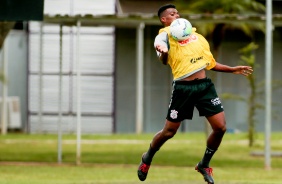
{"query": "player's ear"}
pixel 163 19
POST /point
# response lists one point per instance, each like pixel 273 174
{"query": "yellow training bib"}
pixel 188 56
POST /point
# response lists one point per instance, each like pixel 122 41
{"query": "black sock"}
pixel 148 156
pixel 207 157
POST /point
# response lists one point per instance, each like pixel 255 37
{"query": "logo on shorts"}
pixel 215 101
pixel 173 114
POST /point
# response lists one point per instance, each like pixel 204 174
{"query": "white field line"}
pixel 122 141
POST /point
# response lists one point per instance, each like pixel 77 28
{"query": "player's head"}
pixel 167 13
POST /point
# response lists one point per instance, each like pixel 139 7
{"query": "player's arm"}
pixel 243 70
pixel 215 66
pixel 161 46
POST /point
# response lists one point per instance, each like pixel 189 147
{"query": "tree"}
pixel 248 58
pixel 257 90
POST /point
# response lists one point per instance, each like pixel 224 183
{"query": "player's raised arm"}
pixel 161 46
pixel 162 53
pixel 243 70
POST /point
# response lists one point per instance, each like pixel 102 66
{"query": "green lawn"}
pixel 113 159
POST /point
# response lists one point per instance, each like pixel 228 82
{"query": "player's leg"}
pixel 209 105
pixel 218 125
pixel 169 130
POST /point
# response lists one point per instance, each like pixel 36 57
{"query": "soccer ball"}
pixel 180 29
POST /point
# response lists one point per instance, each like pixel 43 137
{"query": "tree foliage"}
pixel 215 31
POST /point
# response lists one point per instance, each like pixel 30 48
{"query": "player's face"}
pixel 169 15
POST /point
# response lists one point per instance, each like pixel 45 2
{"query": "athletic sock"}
pixel 148 156
pixel 207 157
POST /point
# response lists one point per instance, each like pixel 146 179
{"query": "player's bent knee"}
pixel 220 130
pixel 223 129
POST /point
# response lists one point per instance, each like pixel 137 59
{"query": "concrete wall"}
pixel 157 82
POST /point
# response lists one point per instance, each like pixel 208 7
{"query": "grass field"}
pixel 113 159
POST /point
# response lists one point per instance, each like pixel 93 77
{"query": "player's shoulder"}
pixel 194 31
pixel 200 37
pixel 165 29
pixel 163 35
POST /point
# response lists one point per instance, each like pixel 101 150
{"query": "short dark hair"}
pixel 164 7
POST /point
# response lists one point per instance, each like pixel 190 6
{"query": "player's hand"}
pixel 161 49
pixel 243 70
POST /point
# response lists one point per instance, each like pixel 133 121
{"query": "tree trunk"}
pixel 251 110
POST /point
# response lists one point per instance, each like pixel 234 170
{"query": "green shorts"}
pixel 186 95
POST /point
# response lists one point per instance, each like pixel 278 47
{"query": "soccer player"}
pixel 191 88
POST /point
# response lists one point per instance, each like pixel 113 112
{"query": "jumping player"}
pixel 191 88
